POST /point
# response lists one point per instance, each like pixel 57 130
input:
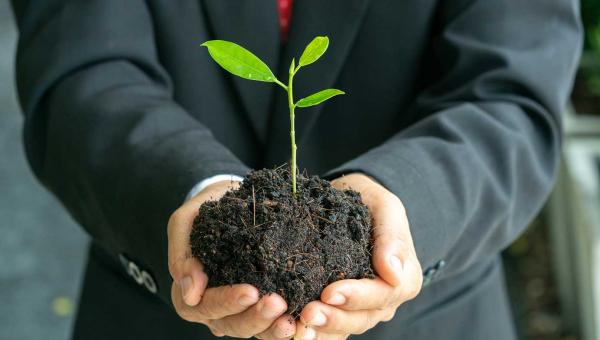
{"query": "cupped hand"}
pixel 354 306
pixel 237 310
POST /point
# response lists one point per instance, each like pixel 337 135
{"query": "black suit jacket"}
pixel 453 105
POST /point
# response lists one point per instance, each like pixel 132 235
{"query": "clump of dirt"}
pixel 262 235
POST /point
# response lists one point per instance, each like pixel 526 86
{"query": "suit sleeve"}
pixel 102 130
pixel 480 158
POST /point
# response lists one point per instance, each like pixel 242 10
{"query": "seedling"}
pixel 285 243
pixel 243 63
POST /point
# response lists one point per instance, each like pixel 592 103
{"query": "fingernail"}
pixel 247 300
pixel 336 299
pixel 396 265
pixel 309 334
pixel 269 312
pixel 186 285
pixel 318 320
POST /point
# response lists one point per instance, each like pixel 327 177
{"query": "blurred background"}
pixel 42 251
pixel 553 270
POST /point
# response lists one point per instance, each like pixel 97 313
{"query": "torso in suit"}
pixel 454 106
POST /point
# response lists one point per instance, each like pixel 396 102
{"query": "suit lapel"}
pixel 338 19
pixel 254 25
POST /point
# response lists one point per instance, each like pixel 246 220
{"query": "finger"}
pixel 328 319
pixel 181 222
pixel 283 328
pixel 189 274
pixel 392 248
pixel 178 233
pixel 328 336
pixel 186 270
pixel 350 182
pixel 223 301
pixel 193 283
pixel 184 311
pixel 361 294
pixel 305 332
pixel 391 232
pixel 217 302
pixel 216 332
pixel 255 319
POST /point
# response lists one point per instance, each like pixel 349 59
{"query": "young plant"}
pixel 242 63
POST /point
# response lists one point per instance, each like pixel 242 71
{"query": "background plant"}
pixel 242 63
pixel 592 59
pixel 590 13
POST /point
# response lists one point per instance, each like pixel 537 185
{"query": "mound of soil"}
pixel 262 235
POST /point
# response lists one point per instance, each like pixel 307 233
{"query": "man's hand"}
pixel 236 310
pixel 354 306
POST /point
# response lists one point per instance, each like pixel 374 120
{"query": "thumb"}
pixel 393 249
pixel 186 270
pixel 192 280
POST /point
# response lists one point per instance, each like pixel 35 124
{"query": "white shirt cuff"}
pixel 211 180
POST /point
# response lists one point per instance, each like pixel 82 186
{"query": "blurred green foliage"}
pixel 593 69
pixel 590 13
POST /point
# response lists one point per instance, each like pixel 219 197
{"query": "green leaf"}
pixel 292 66
pixel 314 51
pixel 318 98
pixel 238 60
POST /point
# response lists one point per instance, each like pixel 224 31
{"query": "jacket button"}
pixel 124 262
pixel 134 271
pixel 430 272
pixel 140 276
pixel 428 275
pixel 149 282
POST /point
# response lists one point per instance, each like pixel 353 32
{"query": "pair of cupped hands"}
pixel 346 307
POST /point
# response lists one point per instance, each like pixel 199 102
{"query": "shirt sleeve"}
pixel 212 180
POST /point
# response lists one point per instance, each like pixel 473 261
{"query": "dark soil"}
pixel 262 235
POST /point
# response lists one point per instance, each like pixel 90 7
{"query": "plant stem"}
pixel 292 106
pixel 280 84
